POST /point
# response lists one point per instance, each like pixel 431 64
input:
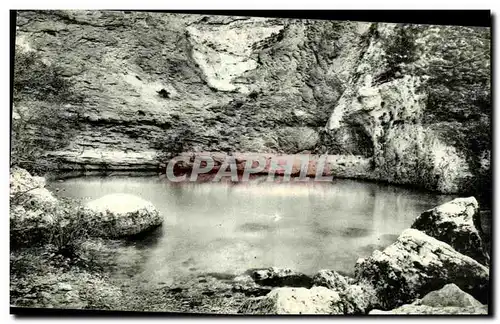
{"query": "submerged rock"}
pixel 448 300
pixel 456 223
pixel 121 215
pixel 317 300
pixel 415 265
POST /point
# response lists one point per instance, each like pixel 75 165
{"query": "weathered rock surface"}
pixel 449 300
pixel 458 224
pixel 119 215
pixel 415 265
pixel 31 205
pixel 449 295
pixel 28 189
pixel 428 310
pixel 331 279
pixel 317 300
pixel 229 83
pixel 357 297
pixel 105 159
pixel 384 114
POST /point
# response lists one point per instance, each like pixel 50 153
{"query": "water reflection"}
pixel 229 228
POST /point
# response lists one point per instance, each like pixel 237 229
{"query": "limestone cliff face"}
pixel 383 118
pixel 155 83
pixel 235 83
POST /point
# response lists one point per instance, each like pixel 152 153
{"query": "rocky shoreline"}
pixel 417 274
pixel 117 162
pixel 439 266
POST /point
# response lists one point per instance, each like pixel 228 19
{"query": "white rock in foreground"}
pixel 448 300
pixel 317 300
pixel 121 215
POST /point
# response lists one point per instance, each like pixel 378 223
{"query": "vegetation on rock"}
pixel 41 118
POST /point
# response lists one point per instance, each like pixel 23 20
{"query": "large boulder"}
pixel 120 215
pixel 317 300
pixel 417 264
pixel 448 300
pixel 456 223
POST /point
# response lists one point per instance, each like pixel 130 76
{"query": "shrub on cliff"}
pixel 454 64
pixel 399 52
pixel 40 121
pixel 458 64
pixel 454 61
pixel 36 79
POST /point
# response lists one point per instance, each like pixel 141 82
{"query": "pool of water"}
pixel 231 227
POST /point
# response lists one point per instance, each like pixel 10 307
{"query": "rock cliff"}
pixel 151 85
